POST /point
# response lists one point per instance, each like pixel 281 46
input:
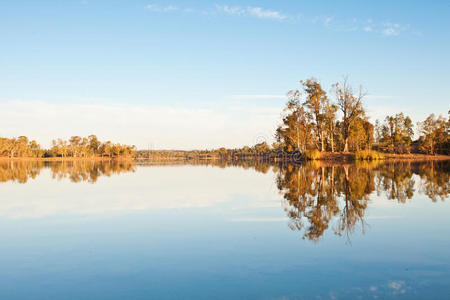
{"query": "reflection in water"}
pixel 76 171
pixel 316 196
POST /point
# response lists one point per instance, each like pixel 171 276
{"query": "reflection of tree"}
pixel 435 179
pixel 316 194
pixel 395 179
pixel 76 171
pixel 19 171
pixel 355 186
pixel 87 170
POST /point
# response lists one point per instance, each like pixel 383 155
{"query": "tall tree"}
pixel 396 133
pixel 434 133
pixel 295 131
pixel 316 103
pixel 350 105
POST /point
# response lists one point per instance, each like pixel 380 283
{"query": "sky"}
pixel 205 74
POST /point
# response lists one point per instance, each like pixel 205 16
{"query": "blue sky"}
pixel 201 74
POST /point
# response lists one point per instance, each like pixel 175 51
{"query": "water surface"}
pixel 119 230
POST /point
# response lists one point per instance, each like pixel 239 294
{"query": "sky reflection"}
pixel 202 231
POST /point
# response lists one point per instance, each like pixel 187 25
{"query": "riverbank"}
pixel 334 157
pixel 348 157
pixel 3 158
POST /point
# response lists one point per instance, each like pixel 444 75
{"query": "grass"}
pixel 368 155
pixel 312 154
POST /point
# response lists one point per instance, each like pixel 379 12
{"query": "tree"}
pixel 295 131
pixel 94 144
pixel 316 103
pixel 74 145
pixel 396 133
pixel 434 134
pixel 350 105
pixel 330 123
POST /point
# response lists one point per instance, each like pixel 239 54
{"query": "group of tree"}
pixel 434 134
pixel 314 120
pixel 76 146
pixel 20 147
pixel 310 119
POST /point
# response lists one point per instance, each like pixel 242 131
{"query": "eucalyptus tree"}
pixel 396 132
pixel 434 133
pixel 316 103
pixel 350 105
pixel 295 131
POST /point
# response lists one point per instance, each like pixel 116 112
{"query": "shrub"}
pixel 312 155
pixel 368 155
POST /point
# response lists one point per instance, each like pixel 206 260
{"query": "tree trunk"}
pixel 346 144
pixel 322 144
pixel 332 141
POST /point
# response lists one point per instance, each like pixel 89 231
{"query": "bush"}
pixel 368 155
pixel 312 155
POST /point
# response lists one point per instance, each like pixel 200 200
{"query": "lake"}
pixel 225 230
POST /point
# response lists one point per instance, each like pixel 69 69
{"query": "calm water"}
pixel 125 231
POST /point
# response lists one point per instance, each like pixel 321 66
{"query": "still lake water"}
pixel 89 230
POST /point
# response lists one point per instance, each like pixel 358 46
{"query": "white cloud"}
pixel 163 127
pixel 396 285
pixel 257 12
pixel 157 8
pixel 265 13
pixel 231 10
pixel 329 22
pixel 142 191
pixel 391 29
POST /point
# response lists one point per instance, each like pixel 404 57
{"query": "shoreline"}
pixel 337 157
pixel 348 157
pixel 57 159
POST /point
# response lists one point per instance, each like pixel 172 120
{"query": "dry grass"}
pixel 368 155
pixel 312 155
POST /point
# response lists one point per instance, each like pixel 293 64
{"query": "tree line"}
pixel 76 146
pixel 312 119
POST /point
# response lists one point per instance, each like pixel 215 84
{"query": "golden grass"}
pixel 368 155
pixel 312 154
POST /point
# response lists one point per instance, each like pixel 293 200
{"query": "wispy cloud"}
pixel 252 11
pixel 157 8
pixel 383 28
pixel 164 127
pixel 392 29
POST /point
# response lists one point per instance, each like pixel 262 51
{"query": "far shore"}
pixel 335 157
pixel 5 158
